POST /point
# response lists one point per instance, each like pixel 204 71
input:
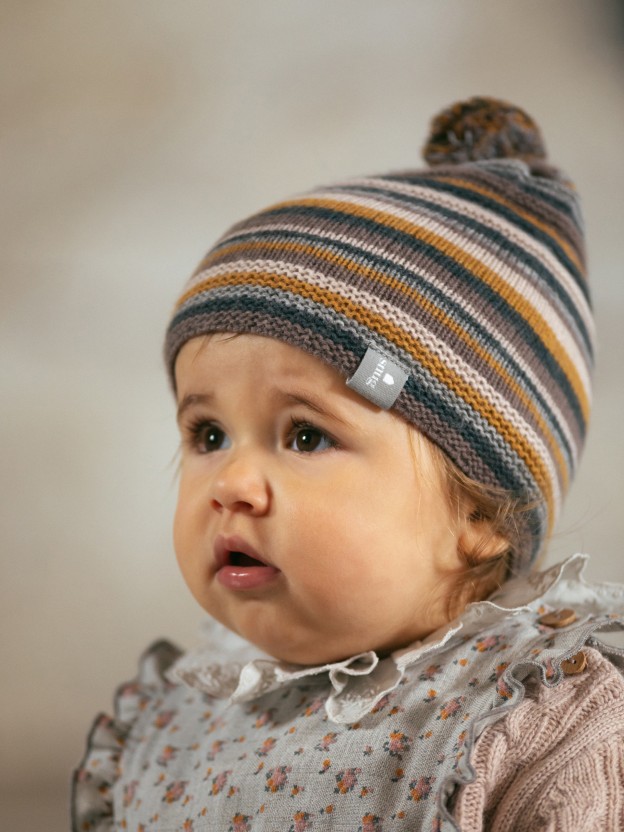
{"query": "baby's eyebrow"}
pixel 192 399
pixel 312 403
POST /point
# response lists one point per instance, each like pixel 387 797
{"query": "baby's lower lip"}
pixel 246 577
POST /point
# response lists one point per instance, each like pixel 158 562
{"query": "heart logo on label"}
pixel 387 379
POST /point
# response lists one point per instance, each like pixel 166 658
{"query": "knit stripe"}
pixel 511 216
pixel 530 217
pixel 550 199
pixel 521 305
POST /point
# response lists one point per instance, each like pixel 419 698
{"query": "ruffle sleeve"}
pixel 92 785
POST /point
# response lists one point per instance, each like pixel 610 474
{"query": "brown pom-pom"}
pixel 483 128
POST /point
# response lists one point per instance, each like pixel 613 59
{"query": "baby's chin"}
pixel 315 654
pixel 301 652
pixel 305 646
pixel 310 658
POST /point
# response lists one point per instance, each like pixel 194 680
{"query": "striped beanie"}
pixel 455 295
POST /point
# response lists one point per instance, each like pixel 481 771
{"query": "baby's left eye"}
pixel 307 439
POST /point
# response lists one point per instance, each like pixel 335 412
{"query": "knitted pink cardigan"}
pixel 556 762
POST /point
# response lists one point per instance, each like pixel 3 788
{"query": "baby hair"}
pixel 501 530
pixel 505 534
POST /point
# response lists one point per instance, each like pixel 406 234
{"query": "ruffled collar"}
pixel 226 666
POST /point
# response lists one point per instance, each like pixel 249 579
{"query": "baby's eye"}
pixel 208 437
pixel 306 438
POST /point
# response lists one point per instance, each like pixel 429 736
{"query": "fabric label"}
pixel 378 379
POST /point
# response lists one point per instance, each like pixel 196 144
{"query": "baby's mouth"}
pixel 240 566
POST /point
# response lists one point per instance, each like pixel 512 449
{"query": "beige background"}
pixel 134 132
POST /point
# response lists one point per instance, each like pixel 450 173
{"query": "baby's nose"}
pixel 241 485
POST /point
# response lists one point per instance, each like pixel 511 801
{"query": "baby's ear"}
pixel 479 541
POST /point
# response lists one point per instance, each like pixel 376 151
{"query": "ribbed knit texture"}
pixel 470 276
pixel 556 762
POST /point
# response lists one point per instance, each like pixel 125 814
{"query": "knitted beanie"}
pixel 455 295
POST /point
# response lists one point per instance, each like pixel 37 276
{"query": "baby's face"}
pixel 308 520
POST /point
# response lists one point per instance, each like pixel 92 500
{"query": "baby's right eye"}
pixel 207 437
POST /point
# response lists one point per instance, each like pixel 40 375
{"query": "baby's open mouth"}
pixel 240 566
pixel 241 559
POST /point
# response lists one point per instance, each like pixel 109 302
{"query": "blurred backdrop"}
pixel 133 133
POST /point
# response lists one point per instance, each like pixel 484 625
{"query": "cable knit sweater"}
pixel 554 763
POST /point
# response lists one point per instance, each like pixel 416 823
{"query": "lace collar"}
pixel 226 666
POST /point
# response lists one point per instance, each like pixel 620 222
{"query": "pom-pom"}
pixel 483 128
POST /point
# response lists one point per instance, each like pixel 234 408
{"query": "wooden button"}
pixel 558 618
pixel 575 664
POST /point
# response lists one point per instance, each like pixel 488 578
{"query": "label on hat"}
pixel 378 379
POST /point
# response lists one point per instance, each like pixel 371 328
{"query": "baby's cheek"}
pixel 338 593
pixel 315 594
pixel 182 546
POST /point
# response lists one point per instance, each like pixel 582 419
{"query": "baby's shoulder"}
pixel 576 713
pixel 94 779
pixel 548 757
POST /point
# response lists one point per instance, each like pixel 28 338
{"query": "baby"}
pixel 383 389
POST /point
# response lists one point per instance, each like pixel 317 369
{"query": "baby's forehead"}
pixel 269 357
pixel 222 363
